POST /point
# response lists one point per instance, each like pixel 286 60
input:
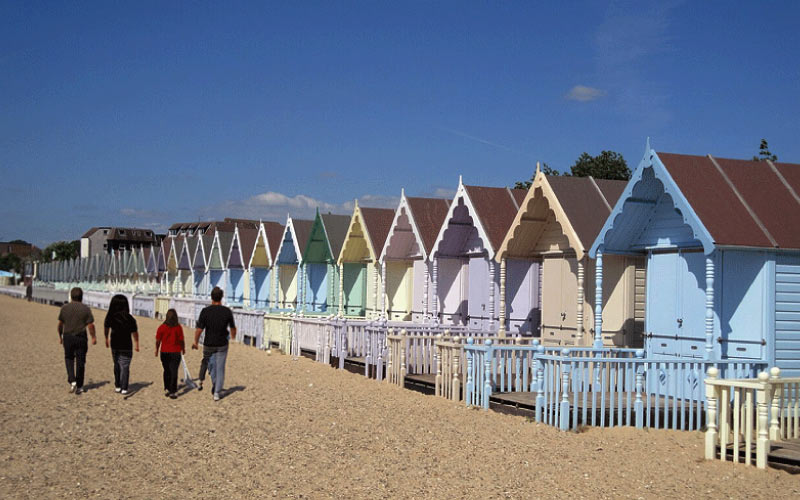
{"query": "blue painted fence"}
pixel 571 387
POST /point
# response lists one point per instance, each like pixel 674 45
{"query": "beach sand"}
pixel 295 428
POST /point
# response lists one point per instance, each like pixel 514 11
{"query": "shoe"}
pixel 173 396
pixel 200 386
pixel 216 397
pixel 117 389
pixel 124 391
pixel 78 390
pixel 72 387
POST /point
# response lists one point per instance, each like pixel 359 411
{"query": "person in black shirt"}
pixel 123 327
pixel 74 320
pixel 215 320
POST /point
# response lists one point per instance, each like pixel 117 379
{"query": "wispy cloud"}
pixel 272 205
pixel 583 93
pixel 631 35
pixel 142 213
pixel 487 142
pixel 440 192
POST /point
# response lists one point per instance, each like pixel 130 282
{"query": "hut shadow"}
pixel 135 388
pixel 234 389
pixel 94 385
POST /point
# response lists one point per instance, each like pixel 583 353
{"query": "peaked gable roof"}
pixel 428 214
pixel 496 208
pixel 732 203
pixel 336 229
pixel 377 222
pixel 274 232
pixel 302 232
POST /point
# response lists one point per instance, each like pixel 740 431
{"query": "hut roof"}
pixel 429 215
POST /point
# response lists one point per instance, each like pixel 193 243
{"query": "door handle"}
pixel 563 316
pixel 680 322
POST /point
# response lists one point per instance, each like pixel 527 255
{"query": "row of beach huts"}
pixel 658 301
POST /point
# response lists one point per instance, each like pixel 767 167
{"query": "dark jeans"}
pixel 171 361
pixel 214 361
pixel 122 367
pixel 75 347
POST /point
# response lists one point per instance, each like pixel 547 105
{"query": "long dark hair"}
pixel 171 319
pixel 119 303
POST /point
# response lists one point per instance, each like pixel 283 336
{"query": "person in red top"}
pixel 169 338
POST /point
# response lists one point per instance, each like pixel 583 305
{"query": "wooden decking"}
pixel 782 454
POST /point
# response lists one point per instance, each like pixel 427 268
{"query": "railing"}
pixel 278 330
pixel 161 306
pixel 250 324
pixel 308 334
pixel 186 309
pixel 144 305
pixel 17 292
pixel 750 415
pixel 598 387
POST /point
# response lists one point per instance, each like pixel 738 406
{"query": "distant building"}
pixel 20 249
pixel 99 240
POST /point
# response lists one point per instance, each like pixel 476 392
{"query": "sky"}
pixel 143 114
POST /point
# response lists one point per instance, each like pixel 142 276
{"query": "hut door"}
pixel 691 320
pixel 662 308
pixel 478 293
pixel 569 299
pixel 559 294
pixel 355 289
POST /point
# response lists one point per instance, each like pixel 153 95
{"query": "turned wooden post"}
pixel 762 442
pixel 455 387
pixel 776 393
pixel 502 318
pixel 581 299
pixel 341 289
pixel 438 361
pixel 712 394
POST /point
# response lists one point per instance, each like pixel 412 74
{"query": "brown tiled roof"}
pixel 429 215
pixel 336 227
pixel 496 208
pixel 741 203
pixel 247 242
pixel 377 221
pixel 302 230
pixel 586 202
pixel 90 232
pixel 274 233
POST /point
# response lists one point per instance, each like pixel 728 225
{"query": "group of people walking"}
pixel 76 326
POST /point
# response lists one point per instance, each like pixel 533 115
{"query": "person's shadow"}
pixel 136 387
pixel 94 385
pixel 231 390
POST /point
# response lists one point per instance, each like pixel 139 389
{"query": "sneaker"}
pixel 72 387
pixel 124 391
pixel 78 390
pixel 117 389
pixel 166 394
pixel 216 397
pixel 173 396
pixel 200 386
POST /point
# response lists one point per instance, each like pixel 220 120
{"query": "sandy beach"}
pixel 294 428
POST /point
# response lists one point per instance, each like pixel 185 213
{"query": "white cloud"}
pixel 272 205
pixel 583 93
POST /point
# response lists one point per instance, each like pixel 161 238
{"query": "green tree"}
pixel 764 154
pixel 606 165
pixel 21 242
pixel 63 250
pixel 546 170
pixel 11 262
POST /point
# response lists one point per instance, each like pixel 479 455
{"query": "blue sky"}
pixel 146 114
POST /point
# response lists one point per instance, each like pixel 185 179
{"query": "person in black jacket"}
pixel 217 321
pixel 123 328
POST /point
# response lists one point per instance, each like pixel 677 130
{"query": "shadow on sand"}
pixel 136 387
pixel 95 385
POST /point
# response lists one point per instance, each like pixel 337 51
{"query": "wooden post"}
pixel 581 299
pixel 711 414
pixel 438 358
pixel 502 319
pixel 776 392
pixel 598 300
pixel 563 423
pixel 375 289
pixel 276 301
pixel 487 376
pixel 436 289
pixel 455 387
pixel 491 294
pixel 403 369
pixel 425 297
pixel 341 289
pixel 383 290
pixel 331 292
pixel 709 308
pixel 762 441
pixel 470 389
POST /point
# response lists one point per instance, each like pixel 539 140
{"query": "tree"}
pixel 11 262
pixel 20 242
pixel 546 170
pixel 63 250
pixel 764 153
pixel 606 165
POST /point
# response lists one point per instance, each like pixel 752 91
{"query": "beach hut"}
pixel 722 250
pixel 359 269
pixel 161 259
pixel 464 276
pixel 241 250
pixel 173 277
pixel 405 257
pixel 185 264
pixel 318 272
pixel 556 225
pixel 264 254
pixel 202 255
pixel 218 255
pixel 290 254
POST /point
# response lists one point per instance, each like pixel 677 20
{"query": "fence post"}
pixel 342 344
pixel 762 443
pixel 487 379
pixel 403 369
pixel 776 392
pixel 438 357
pixel 638 406
pixel 470 389
pixel 563 423
pixel 538 379
pixel 455 387
pixel 711 414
